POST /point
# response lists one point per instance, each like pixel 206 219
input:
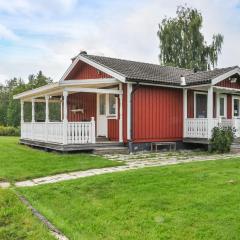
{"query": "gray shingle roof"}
pixel 153 73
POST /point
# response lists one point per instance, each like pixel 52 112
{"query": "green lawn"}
pixel 18 162
pixel 16 222
pixel 188 201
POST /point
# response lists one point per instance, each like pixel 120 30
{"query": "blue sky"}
pixel 45 34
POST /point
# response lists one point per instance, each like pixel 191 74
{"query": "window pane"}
pixel 201 105
pixel 236 107
pixel 112 104
pixel 102 102
pixel 221 106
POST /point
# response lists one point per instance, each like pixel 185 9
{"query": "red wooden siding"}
pixel 229 106
pixel 113 124
pixel 190 104
pixel 86 101
pixel 157 114
pixel 227 83
pixel 113 129
pixel 85 71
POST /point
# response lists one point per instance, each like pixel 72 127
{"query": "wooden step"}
pixel 235 147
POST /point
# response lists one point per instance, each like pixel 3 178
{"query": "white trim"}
pixel 94 90
pixel 210 111
pixel 235 97
pixel 224 96
pixel 89 82
pixel 129 94
pixel 225 75
pixel 111 116
pixel 93 64
pixel 156 85
pixel 227 89
pixel 120 115
pixel 195 93
pixel 36 91
pixel 184 110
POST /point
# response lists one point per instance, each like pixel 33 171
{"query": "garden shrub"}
pixel 222 139
pixel 9 131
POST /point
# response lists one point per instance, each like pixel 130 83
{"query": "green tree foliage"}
pixel 182 44
pixel 10 109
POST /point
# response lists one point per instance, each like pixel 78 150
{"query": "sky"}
pixel 46 34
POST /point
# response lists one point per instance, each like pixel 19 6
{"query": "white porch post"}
pixel 46 116
pixel 33 117
pixel 61 106
pixel 22 111
pixel 217 105
pixel 120 115
pixel 210 111
pixel 33 110
pixel 93 124
pixel 22 117
pixel 184 111
pixel 47 109
pixel 65 117
pixel 129 93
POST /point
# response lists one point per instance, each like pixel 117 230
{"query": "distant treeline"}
pixel 10 109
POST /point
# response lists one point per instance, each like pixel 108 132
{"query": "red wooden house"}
pixel 112 101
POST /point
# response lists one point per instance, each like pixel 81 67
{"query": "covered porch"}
pixel 207 107
pixel 85 110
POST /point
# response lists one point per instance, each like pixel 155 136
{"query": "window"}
pixel 236 107
pixel 112 104
pixel 200 105
pixel 222 106
pixel 102 104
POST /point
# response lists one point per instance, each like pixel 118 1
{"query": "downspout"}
pixel 131 103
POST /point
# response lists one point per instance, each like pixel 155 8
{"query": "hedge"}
pixel 9 131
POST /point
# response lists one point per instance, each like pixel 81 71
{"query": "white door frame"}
pixel 98 114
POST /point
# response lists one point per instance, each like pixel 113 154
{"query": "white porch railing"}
pixel 199 127
pixel 53 132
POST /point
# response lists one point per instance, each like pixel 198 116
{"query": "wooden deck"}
pixel 196 140
pixel 73 147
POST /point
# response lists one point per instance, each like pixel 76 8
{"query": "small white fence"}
pixel 54 132
pixel 199 127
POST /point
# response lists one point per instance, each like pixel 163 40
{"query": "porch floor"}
pixel 71 147
pixel 196 140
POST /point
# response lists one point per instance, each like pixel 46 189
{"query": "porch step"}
pixel 235 147
pixel 110 150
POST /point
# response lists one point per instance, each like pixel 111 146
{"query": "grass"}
pixel 16 222
pixel 186 201
pixel 18 162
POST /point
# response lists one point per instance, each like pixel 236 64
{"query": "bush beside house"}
pixel 9 131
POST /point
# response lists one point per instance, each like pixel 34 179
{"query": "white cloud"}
pixel 53 31
pixel 7 34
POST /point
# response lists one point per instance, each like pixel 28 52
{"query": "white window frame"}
pixel 235 97
pixel 111 116
pixel 224 96
pixel 195 102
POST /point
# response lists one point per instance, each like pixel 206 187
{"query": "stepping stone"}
pixel 4 185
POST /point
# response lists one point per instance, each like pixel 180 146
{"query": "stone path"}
pixel 131 162
pixel 5 184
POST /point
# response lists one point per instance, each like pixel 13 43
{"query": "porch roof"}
pixel 56 89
